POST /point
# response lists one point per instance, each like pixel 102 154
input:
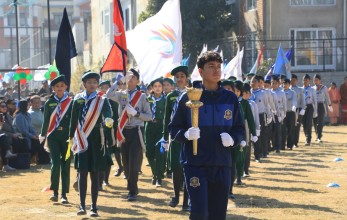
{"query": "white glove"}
pixel 41 139
pixel 315 115
pixel 268 120
pixel 109 122
pixel 302 112
pixel 254 139
pixel 257 132
pixel 192 133
pixel 293 108
pixel 166 146
pixel 130 110
pixel 330 108
pixel 227 140
pixel 243 144
pixel 279 119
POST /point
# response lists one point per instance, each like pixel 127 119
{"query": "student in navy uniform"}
pixel 310 109
pixel 300 110
pixel 289 120
pixel 323 100
pixel 221 127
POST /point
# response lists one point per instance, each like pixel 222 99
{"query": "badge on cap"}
pixel 194 182
pixel 228 114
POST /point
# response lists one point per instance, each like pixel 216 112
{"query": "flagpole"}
pixel 17 36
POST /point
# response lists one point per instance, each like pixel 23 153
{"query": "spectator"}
pixel 343 93
pixel 36 113
pixel 335 98
pixel 44 89
pixel 5 146
pixel 22 122
pixel 3 89
pixel 11 107
pixel 9 93
pixel 14 139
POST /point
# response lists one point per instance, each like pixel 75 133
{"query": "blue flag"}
pixel 282 65
pixel 65 49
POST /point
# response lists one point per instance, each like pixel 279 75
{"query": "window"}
pixel 251 4
pixel 312 2
pixel 314 48
pixel 57 19
pixel 11 19
pixel 106 21
pixel 251 51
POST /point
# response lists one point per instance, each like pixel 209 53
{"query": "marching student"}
pixel 280 113
pixel 207 174
pixel 310 109
pixel 55 129
pixel 153 132
pixel 260 98
pixel 87 139
pixel 300 110
pixel 133 111
pixel 180 74
pixel 290 119
pixel 168 86
pixel 323 100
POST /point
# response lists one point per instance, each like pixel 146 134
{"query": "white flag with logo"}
pixel 156 43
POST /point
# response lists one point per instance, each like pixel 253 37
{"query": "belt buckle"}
pixel 60 128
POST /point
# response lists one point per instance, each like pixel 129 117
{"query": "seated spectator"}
pixel 5 148
pixel 36 113
pixel 14 138
pixel 11 106
pixel 22 123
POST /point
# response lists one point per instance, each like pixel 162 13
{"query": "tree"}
pixel 202 21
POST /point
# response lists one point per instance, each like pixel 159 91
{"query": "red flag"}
pixel 260 55
pixel 117 58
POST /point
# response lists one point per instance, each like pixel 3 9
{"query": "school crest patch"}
pixel 228 114
pixel 194 182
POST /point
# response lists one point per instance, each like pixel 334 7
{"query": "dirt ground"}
pixel 289 185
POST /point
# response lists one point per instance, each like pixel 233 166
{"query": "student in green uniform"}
pixel 180 74
pixel 55 129
pixel 110 140
pixel 86 129
pixel 154 151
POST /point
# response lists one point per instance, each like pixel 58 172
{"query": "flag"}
pixel 156 43
pixel 185 61
pixel 195 74
pixel 282 65
pixel 117 58
pixel 39 74
pixel 233 68
pixel 257 62
pixel 65 49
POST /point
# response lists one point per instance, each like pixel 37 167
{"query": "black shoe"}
pixel 94 213
pixel 290 148
pixel 246 175
pixel 278 151
pixel 54 198
pixel 185 208
pixel 231 196
pixel 64 200
pixel 106 183
pixel 140 172
pixel 239 182
pixel 154 180
pixel 132 197
pixel 159 182
pixel 257 160
pixel 307 144
pixel 81 211
pixel 119 171
pixel 173 202
pixel 169 175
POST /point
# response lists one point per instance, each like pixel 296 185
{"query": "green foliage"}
pixel 265 66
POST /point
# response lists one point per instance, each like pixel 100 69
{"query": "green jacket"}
pixel 49 107
pixel 247 115
pixel 171 99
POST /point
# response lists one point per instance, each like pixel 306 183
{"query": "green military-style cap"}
pixel 57 79
pixel 183 69
pixel 169 80
pixel 250 74
pixel 228 82
pixel 90 75
pixel 238 85
pixel 232 78
pixel 160 80
pixel 106 82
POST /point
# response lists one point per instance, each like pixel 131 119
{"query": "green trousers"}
pixel 57 143
pixel 239 155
